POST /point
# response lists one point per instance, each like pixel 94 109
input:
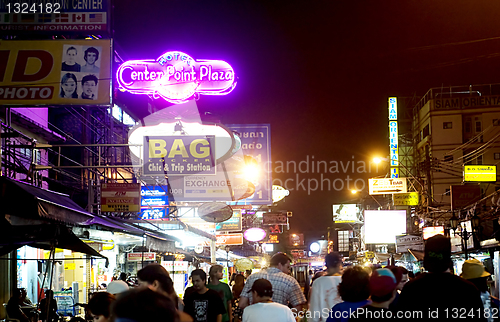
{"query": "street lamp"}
pixel 462 231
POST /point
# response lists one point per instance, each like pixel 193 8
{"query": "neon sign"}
pixel 176 77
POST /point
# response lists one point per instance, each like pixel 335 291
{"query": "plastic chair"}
pixel 7 319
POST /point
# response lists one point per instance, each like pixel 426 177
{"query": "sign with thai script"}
pixel 232 224
pixel 387 186
pixel 480 173
pixel 405 242
pixel 406 199
pixel 256 144
pixel 229 239
pixel 120 197
pixel 55 72
pixel 138 257
pixel 54 16
pixel 178 155
pixel 176 77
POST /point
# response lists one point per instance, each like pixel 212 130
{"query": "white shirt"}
pixel 260 312
pixel 324 295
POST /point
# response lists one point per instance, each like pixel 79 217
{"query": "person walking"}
pixel 204 305
pixel 439 294
pixel 216 274
pixel 239 283
pixel 473 271
pixel 286 289
pixel 324 291
pixel 263 308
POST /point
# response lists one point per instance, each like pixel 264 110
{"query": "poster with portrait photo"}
pixel 72 57
pixel 79 86
pixel 91 63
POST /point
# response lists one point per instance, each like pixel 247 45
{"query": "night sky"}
pixel 320 72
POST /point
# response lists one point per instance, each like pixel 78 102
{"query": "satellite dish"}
pixel 215 212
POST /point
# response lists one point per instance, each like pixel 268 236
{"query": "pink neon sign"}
pixel 176 77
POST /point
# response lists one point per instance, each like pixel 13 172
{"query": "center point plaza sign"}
pixel 176 77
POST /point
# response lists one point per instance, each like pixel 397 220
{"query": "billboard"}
pixel 464 195
pixel 256 144
pixel 120 197
pixel 55 72
pixel 54 16
pixel 232 224
pixel 382 226
pixel 480 173
pixel 405 199
pixel 274 218
pixel 347 213
pixel 428 232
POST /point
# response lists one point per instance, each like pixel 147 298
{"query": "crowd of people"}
pixel 338 294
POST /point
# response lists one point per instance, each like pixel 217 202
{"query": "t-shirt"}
pixel 324 295
pixel 263 312
pixel 442 296
pixel 71 68
pixel 225 294
pixel 204 307
pixel 341 312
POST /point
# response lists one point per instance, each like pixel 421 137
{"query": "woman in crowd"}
pixel 99 306
pixel 239 283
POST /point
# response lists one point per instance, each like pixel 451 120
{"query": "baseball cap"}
pixel 263 287
pixel 115 287
pixel 473 268
pixel 382 282
pixel 437 255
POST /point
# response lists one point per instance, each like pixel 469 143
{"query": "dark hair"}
pixel 383 298
pixel 91 50
pixel 239 283
pixel 145 305
pixel 77 319
pixel 201 273
pixel 100 303
pixel 64 79
pixel 156 272
pixel 279 258
pixel 262 287
pixel 90 77
pixel 123 276
pixel 355 285
pixel 411 275
pixel 333 260
pixel 71 48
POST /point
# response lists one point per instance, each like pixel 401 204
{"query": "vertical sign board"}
pixel 256 143
pixel 393 136
pixel 154 202
pixel 55 72
pixel 120 197
pixel 55 17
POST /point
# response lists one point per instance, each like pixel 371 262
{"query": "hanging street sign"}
pixel 405 199
pixel 387 186
pixel 120 197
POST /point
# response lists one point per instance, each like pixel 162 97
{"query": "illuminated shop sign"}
pixel 480 173
pixel 393 136
pixel 176 77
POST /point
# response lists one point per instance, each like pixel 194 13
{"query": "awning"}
pixel 28 202
pixel 41 236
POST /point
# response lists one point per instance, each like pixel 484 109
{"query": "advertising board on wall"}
pixel 55 72
pixel 480 173
pixel 464 195
pixel 232 224
pixel 120 197
pixel 54 16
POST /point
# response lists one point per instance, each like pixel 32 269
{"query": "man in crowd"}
pixel 286 289
pixel 223 289
pixel 439 294
pixel 204 305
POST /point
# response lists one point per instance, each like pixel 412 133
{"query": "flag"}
pixel 27 17
pixel 95 17
pixel 62 17
pixel 6 18
pixel 15 18
pixel 44 17
pixel 78 17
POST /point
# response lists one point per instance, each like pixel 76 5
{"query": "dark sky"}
pixel 320 72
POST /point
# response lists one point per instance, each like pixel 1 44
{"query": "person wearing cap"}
pixel 324 291
pixel 223 289
pixel 438 294
pixel 263 308
pixel 116 287
pixel 204 305
pixel 473 271
pixel 383 286
pixel 286 289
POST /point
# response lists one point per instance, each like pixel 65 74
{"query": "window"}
pixel 496 156
pixel 448 158
pixel 426 131
pixel 478 126
pixel 343 240
pixel 447 125
pixel 467 127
